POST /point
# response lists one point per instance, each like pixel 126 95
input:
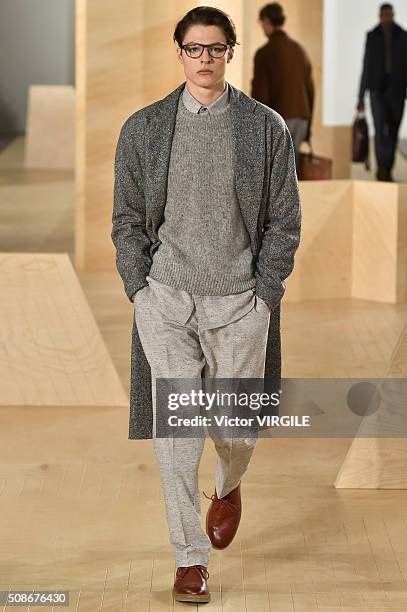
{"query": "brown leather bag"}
pixel 360 140
pixel 314 167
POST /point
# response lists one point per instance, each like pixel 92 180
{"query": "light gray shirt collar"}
pixel 194 106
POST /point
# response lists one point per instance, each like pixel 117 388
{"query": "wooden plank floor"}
pixel 81 506
pixel 98 530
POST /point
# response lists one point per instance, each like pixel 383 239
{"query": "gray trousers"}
pixel 298 128
pixel 188 336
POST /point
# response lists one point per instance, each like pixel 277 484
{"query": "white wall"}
pixel 36 47
pixel 346 23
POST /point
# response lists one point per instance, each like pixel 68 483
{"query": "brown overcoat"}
pixel 282 77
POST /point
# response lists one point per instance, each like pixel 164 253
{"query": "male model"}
pixel 385 75
pixel 282 76
pixel 206 223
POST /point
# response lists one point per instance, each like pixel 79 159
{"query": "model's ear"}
pixel 230 54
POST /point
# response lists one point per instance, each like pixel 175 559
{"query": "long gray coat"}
pixel 267 190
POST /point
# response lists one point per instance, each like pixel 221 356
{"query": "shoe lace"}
pixel 212 497
pixel 204 571
pixel 221 500
pixel 181 571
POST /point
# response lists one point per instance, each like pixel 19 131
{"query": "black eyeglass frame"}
pixel 226 47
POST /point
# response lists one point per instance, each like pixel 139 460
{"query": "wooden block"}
pixel 323 261
pixel 379 242
pixel 50 135
pixel 353 242
pixel 52 351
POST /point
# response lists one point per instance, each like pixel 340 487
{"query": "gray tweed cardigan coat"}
pixel 267 190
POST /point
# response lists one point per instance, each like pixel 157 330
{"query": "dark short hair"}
pixel 386 7
pixel 206 15
pixel 274 13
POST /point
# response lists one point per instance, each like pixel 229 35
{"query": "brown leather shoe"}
pixel 190 584
pixel 223 517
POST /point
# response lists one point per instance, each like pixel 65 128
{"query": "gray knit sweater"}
pixel 216 258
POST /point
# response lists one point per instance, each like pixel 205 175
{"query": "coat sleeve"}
pixel 282 223
pixel 363 78
pixel 129 234
pixel 259 89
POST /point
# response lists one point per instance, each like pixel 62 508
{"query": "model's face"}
pixel 386 17
pixel 266 25
pixel 205 35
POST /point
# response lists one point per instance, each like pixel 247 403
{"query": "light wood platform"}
pixel 354 242
pixel 52 353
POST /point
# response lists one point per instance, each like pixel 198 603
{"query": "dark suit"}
pixel 385 75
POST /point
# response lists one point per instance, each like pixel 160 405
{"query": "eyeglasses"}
pixel 195 51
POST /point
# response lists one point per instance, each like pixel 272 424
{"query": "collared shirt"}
pixel 218 105
pixel 212 310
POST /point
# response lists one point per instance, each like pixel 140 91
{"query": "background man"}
pixel 385 75
pixel 282 76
